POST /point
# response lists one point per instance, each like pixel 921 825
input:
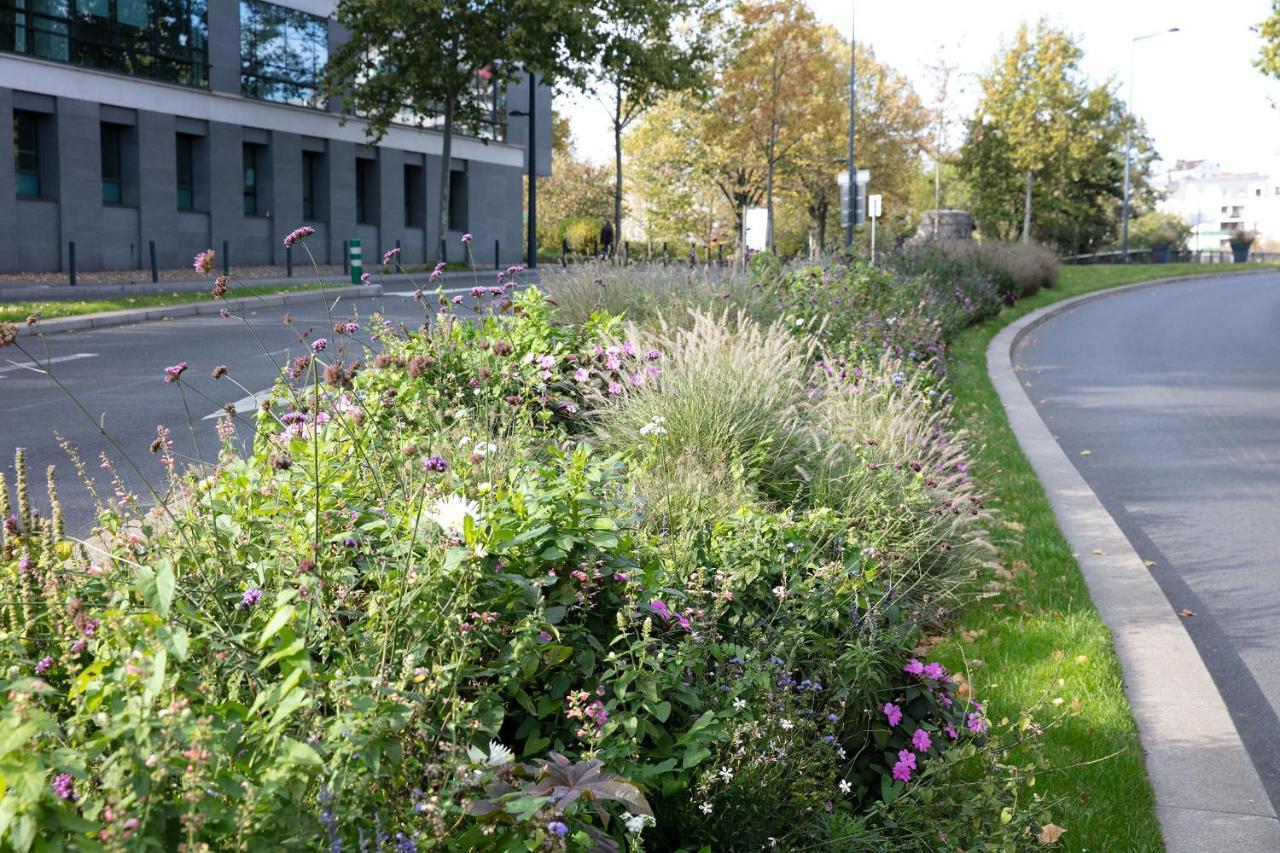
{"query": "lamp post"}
pixel 531 156
pixel 853 169
pixel 1128 144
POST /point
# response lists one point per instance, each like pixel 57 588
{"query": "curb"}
pixel 1208 793
pixel 107 319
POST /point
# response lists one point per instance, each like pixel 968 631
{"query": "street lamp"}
pixel 531 156
pixel 1128 142
pixel 853 169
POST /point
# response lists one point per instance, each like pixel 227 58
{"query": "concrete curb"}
pixel 1208 793
pixel 106 319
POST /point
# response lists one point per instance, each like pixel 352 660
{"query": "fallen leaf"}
pixel 1058 700
pixel 1100 552
pixel 1185 612
pixel 1148 563
pixel 1049 834
pixel 1075 705
pixel 1086 452
pixel 1082 659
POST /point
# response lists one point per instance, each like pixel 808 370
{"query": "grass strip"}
pixel 18 312
pixel 1039 638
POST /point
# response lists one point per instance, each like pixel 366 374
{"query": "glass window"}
pixel 251 177
pixel 112 190
pixel 364 189
pixel 413 192
pixel 26 152
pixel 311 163
pixel 160 39
pixel 186 146
pixel 457 201
pixel 282 53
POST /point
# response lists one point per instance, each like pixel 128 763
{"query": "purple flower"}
pixel 44 665
pixel 436 463
pixel 921 740
pixel 467 238
pixel 477 292
pixel 657 606
pixel 364 278
pixel 977 723
pixel 652 355
pixel 581 374
pixel 497 291
pixel 203 262
pixel 544 637
pixel 319 344
pixel 914 667
pixel 64 786
pixel 389 255
pixel 351 328
pixel 175 371
pixel 905 764
pixel 457 300
pixel 298 234
pixel 555 827
pixel 615 388
pixel 892 713
pixel 935 671
pixel 951 731
pixel 250 597
pixel 79 646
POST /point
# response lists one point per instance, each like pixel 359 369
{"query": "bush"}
pixel 1159 229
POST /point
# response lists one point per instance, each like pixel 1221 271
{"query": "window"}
pixel 366 180
pixel 282 53
pixel 111 137
pixel 252 177
pixel 186 145
pixel 311 163
pixel 413 197
pixel 159 39
pixel 457 201
pixel 26 153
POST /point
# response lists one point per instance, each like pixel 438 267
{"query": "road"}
pixel 118 376
pixel 1167 399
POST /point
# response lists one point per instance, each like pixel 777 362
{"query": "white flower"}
pixel 780 592
pixel 786 724
pixel 464 441
pixel 636 823
pixel 840 752
pixel 725 774
pixel 739 704
pixel 451 513
pixel 845 787
pixel 705 808
pixel 498 754
pixel 653 428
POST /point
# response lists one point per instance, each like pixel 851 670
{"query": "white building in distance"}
pixel 1216 203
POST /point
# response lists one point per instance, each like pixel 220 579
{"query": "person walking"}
pixel 606 239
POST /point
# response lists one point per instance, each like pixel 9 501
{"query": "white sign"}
pixel 755 228
pixel 875 205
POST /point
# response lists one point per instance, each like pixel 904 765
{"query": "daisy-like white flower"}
pixel 451 513
pixel 636 823
pixel 739 704
pixel 786 724
pixel 845 787
pixel 705 808
pixel 498 754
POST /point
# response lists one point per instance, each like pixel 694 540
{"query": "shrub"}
pixel 1155 228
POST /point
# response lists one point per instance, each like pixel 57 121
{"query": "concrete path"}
pixel 1152 416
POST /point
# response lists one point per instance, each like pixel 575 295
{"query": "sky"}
pixel 1196 89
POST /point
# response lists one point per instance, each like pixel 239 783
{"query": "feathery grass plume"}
pixel 24 493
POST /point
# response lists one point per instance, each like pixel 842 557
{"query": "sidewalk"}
pixel 35 290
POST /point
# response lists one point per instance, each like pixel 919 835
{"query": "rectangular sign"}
pixel 755 228
pixel 875 206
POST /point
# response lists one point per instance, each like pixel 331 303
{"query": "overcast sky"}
pixel 1196 89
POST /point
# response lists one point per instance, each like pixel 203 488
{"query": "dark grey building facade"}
pixel 194 122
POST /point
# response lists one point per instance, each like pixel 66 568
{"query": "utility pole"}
pixel 533 171
pixel 853 168
pixel 1128 144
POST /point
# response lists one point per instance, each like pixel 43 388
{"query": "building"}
pixel 1217 203
pixel 194 123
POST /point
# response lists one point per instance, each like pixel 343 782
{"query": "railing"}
pixel 1144 256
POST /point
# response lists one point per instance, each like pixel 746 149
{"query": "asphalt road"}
pixel 118 376
pixel 1168 401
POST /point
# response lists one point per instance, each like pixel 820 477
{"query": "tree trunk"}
pixel 822 225
pixel 617 163
pixel 1026 212
pixel 446 157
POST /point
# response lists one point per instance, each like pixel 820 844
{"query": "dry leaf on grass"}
pixel 1099 552
pixel 1086 452
pixel 1186 612
pixel 1148 563
pixel 1049 834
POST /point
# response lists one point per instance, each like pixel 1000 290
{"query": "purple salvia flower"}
pixel 44 665
pixel 64 786
pixel 250 597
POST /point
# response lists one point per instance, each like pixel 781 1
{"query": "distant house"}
pixel 1216 202
pixel 193 122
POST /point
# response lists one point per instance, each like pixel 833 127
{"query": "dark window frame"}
pixel 185 155
pixel 312 163
pixel 111 147
pixel 366 180
pixel 251 174
pixel 458 200
pixel 26 153
pixel 414 214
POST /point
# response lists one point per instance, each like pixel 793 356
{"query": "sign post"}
pixel 874 209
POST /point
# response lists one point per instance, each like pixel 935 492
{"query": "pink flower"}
pixel 615 388
pixel 951 731
pixel 892 713
pixel 582 374
pixel 921 740
pixel 657 606
pixel 977 724
pixel 319 344
pixel 203 262
pixel 174 372
pixel 914 667
pixel 547 362
pixel 467 238
pixel 298 234
pixel 364 278
pixel 935 671
pixel 612 362
pixel 389 255
pixel 905 764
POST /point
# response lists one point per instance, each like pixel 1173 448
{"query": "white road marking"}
pixel 38 366
pixel 244 405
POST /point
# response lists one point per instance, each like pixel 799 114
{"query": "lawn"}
pixel 1040 641
pixel 18 312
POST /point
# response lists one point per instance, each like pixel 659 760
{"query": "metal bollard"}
pixel 356 254
pixel 626 253
pixel 155 273
pixel 497 265
pixel 288 261
pixel 664 253
pixel 226 257
pixel 564 254
pixel 346 260
pixel 71 261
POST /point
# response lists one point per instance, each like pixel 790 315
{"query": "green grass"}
pixel 1041 639
pixel 18 312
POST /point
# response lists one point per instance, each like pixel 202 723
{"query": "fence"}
pixel 1144 256
pixel 629 253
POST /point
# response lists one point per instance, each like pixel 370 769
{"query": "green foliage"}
pixel 1268 58
pixel 1159 229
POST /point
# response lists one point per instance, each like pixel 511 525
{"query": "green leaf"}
pixel 165 584
pixel 661 711
pixel 555 654
pixel 302 754
pixel 290 703
pixel 278 620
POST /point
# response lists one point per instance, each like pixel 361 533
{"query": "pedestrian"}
pixel 606 239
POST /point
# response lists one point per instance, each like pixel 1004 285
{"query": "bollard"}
pixel 720 255
pixel 497 265
pixel 346 260
pixel 626 252
pixel 356 254
pixel 155 273
pixel 226 257
pixel 399 257
pixel 564 254
pixel 288 261
pixel 71 261
pixel 664 253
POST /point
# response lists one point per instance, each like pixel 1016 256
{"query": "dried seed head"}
pixel 220 371
pixel 8 334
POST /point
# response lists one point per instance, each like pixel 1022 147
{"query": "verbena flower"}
pixel 319 345
pixel 389 255
pixel 467 238
pixel 203 262
pixel 250 597
pixel 436 463
pixel 175 371
pixel 64 786
pixel 298 234
pixel 892 713
pixel 364 278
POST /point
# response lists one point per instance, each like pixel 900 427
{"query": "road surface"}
pixel 1167 399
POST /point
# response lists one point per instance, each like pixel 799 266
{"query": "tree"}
pixel 1268 58
pixel 1043 130
pixel 649 49
pixel 425 62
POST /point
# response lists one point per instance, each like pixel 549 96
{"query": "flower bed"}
pixel 547 577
